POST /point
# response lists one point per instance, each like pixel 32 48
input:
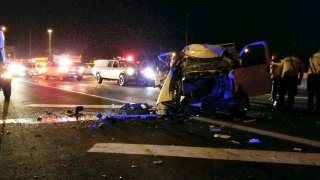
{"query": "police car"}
pixel 122 70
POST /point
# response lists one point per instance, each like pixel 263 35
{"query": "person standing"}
pixel 275 76
pixel 291 69
pixel 313 82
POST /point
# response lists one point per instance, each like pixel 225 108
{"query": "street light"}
pixel 50 32
pixel 186 28
pixel 3 28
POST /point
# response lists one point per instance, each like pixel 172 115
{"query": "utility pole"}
pixel 30 44
pixel 50 53
pixel 187 26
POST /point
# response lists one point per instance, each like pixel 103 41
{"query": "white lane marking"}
pixel 101 97
pixel 260 131
pixel 48 120
pixel 295 158
pixel 298 97
pixel 73 106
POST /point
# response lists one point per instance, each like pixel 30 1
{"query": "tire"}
pixel 241 106
pixel 7 92
pixel 122 80
pixel 99 79
pixel 79 78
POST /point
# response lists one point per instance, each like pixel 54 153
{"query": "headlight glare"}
pixel 7 75
pixel 149 73
pixel 130 71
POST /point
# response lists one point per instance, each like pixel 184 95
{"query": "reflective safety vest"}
pixel 314 64
pixel 291 66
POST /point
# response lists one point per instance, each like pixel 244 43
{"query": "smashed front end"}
pixel 201 78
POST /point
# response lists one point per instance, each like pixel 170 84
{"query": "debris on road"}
pixel 254 141
pixel 136 108
pixel 222 136
pixel 78 109
pixel 235 142
pixel 39 118
pixel 99 116
pixel 49 113
pixel 215 129
pixel 38 135
pixel 93 126
pixel 127 111
pixel 8 132
pixel 134 166
pixel 248 121
pixel 101 125
pixel 157 162
pixel 297 149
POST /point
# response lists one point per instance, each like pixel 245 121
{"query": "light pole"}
pixel 3 28
pixel 186 28
pixel 30 44
pixel 50 32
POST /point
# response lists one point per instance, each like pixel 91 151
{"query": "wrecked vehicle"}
pixel 214 77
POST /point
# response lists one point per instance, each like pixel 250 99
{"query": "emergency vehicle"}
pixel 64 67
pixel 40 64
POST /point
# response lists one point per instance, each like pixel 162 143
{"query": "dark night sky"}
pixel 106 28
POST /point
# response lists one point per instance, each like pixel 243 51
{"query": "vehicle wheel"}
pixel 61 77
pixel 45 76
pixel 7 92
pixel 241 106
pixel 79 78
pixel 99 79
pixel 122 80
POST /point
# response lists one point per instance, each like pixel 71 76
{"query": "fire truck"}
pixel 40 64
pixel 64 67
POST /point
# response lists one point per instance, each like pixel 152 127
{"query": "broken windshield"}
pixel 192 64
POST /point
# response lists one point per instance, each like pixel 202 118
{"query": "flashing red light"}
pixel 129 58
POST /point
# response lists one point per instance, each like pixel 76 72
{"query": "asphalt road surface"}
pixel 43 138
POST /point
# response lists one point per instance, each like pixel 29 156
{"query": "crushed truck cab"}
pixel 214 77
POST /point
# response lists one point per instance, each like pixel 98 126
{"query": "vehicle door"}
pixel 253 75
pixel 108 69
pixel 163 66
pixel 116 70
